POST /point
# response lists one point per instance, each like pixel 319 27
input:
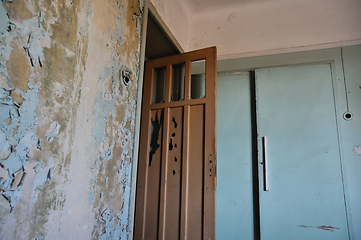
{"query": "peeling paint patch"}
pixel 304 226
pixel 13 196
pixel 36 38
pixel 31 50
pixel 52 132
pixel 29 33
pixel 12 164
pixel 105 106
pixel 43 176
pixel 34 49
pixel 91 196
pixel 112 232
pixel 18 136
pixel 327 228
pixel 123 216
pixel 4 20
pixel 27 111
pixel 117 227
pixel 109 154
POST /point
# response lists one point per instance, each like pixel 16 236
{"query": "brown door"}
pixel 177 164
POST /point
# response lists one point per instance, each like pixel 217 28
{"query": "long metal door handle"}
pixel 265 164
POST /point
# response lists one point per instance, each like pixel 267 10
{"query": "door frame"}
pixel 148 8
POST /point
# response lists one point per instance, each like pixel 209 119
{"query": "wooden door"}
pixel 299 185
pixel 176 175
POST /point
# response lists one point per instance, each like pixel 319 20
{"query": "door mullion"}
pixel 255 171
pixel 185 177
pixel 163 182
pixel 187 81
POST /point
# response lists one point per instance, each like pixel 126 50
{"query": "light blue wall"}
pixel 346 72
pixel 234 166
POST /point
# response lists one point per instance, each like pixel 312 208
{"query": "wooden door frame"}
pixel 147 9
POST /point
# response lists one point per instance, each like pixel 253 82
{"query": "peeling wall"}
pixel 68 86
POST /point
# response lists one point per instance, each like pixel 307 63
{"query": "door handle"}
pixel 265 164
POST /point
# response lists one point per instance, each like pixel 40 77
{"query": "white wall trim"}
pixel 133 186
pixel 291 50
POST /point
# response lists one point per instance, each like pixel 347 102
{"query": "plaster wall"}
pixel 68 86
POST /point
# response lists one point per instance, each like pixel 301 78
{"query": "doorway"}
pixel 157 41
pixel 176 181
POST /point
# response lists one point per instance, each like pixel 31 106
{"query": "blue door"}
pixel 234 165
pixel 299 170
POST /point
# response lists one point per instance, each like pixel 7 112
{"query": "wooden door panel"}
pixel 173 174
pixel 175 196
pixel 154 172
pixel 195 173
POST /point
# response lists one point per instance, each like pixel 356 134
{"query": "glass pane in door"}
pixel 177 85
pixel 198 79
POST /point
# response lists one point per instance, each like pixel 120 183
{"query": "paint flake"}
pixel 22 149
pixel 13 196
pixel 13 163
pixel 327 228
pixel 4 146
pixel 52 132
pixel 43 176
pixel 4 20
pixel 33 48
pixel 91 196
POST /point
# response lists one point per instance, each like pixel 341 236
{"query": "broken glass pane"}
pixel 159 77
pixel 178 77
